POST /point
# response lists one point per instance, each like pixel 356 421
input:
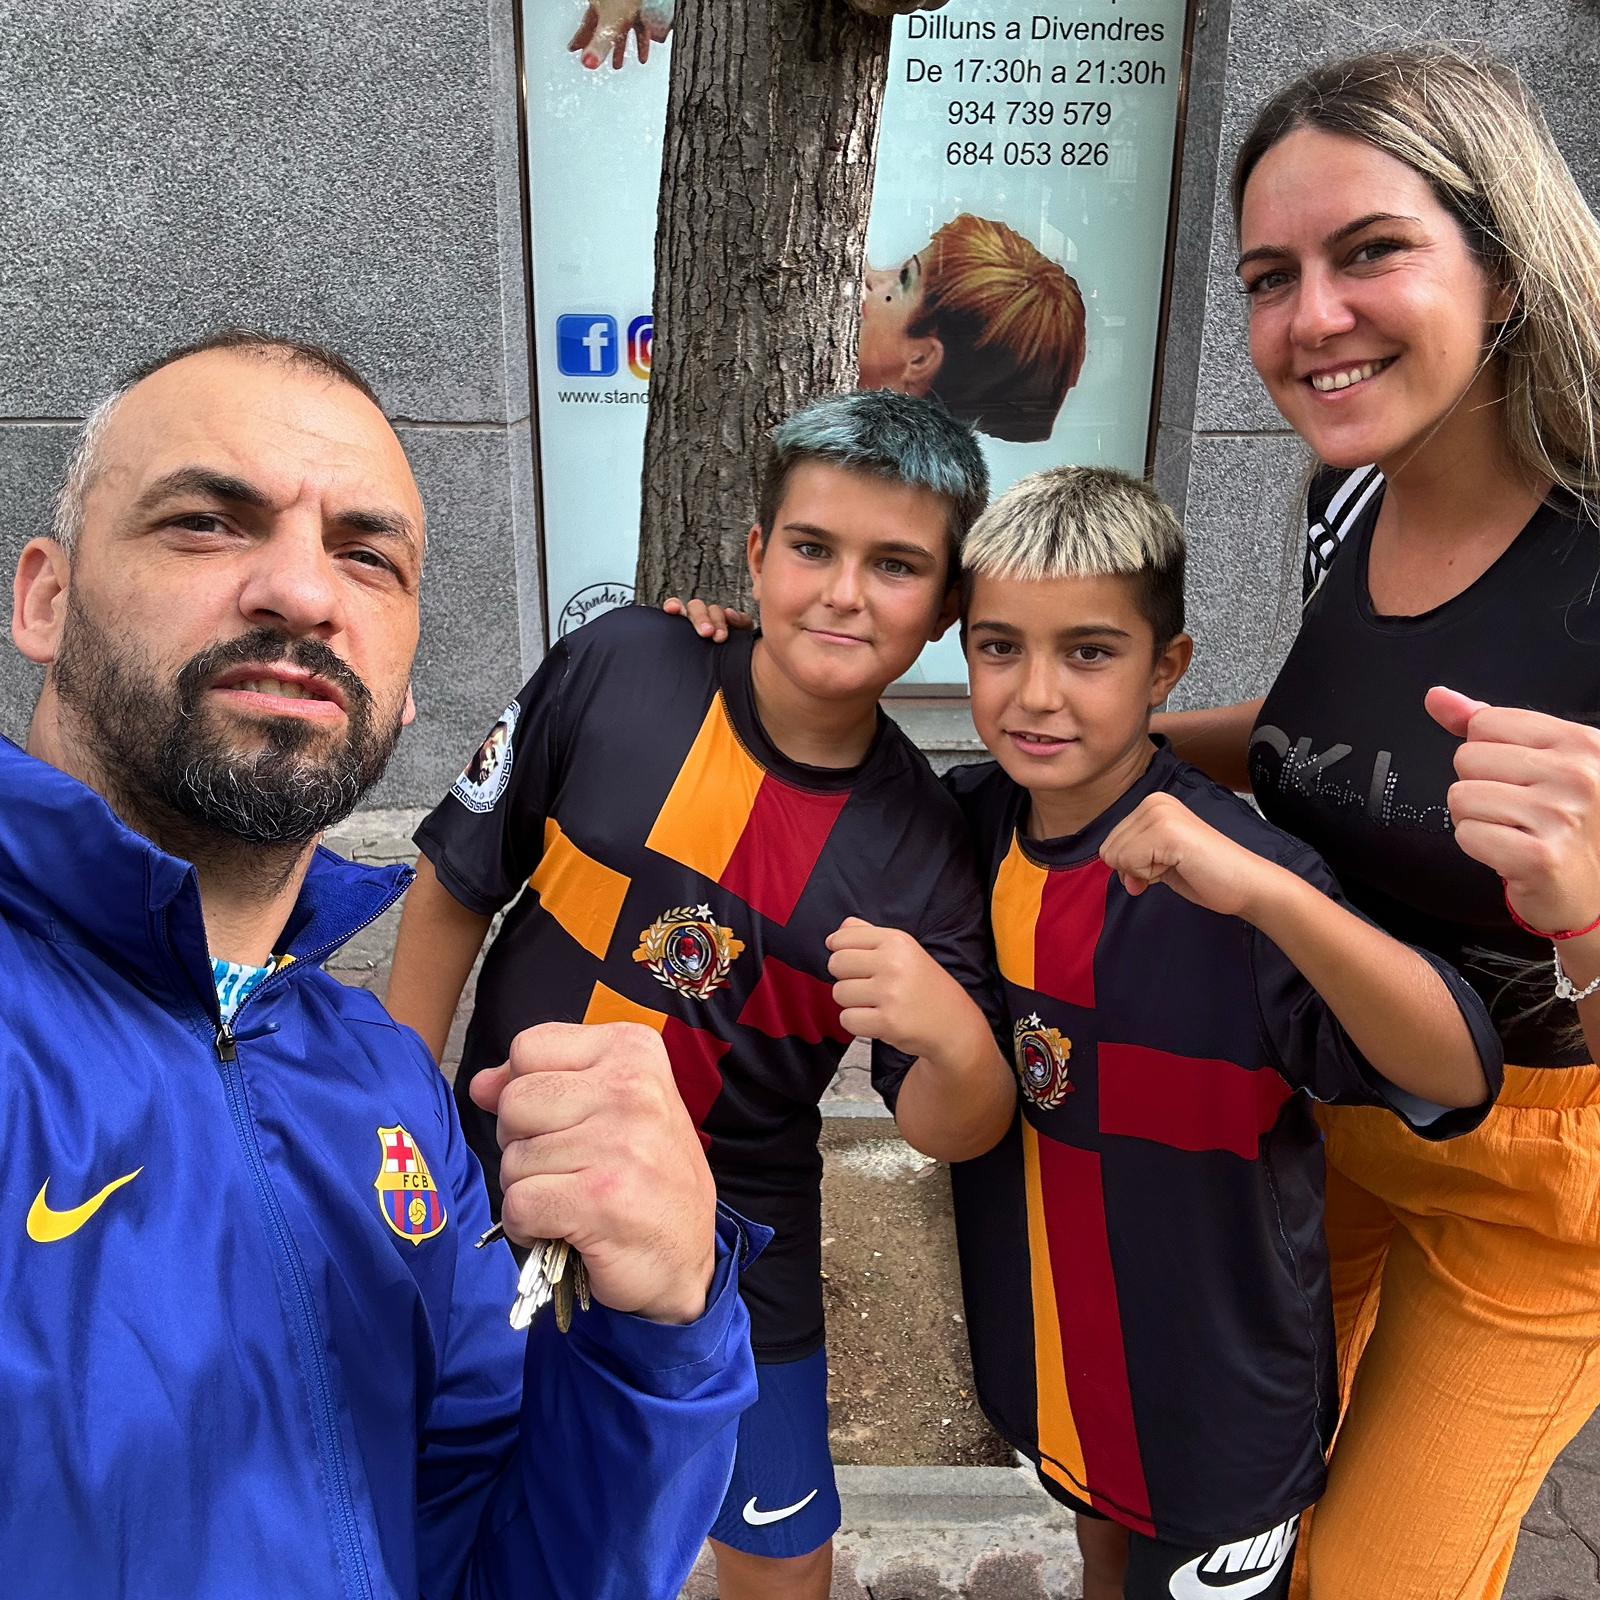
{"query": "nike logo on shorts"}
pixel 759 1519
pixel 1235 1571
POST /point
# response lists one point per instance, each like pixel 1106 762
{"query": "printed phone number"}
pixel 1027 153
pixel 1031 113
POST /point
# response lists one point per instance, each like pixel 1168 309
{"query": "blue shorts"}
pixel 783 1500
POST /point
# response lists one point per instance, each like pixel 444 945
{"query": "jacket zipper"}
pixel 325 1417
pixel 324 1413
pixel 315 958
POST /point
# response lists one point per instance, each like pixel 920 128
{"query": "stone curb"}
pixel 943 1533
pixel 836 1107
pixel 942 1496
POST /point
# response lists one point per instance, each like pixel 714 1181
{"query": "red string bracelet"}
pixel 1540 933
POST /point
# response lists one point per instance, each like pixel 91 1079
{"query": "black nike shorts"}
pixel 1257 1568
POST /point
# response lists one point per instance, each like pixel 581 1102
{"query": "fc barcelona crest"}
pixel 407 1195
pixel 1041 1055
pixel 688 951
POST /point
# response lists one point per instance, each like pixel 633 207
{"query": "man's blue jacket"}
pixel 247 1346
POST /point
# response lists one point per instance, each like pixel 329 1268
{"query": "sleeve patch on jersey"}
pixel 731 821
pixel 582 894
pixel 696 1056
pixel 789 1004
pixel 1187 1102
pixel 489 770
pixel 1047 925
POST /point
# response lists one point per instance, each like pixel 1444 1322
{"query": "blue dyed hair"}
pixel 886 435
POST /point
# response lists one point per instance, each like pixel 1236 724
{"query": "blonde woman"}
pixel 1424 288
pixel 983 321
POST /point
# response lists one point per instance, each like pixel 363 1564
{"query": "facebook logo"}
pixel 586 346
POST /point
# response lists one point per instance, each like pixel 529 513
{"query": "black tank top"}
pixel 1345 755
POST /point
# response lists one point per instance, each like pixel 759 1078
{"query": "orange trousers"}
pixel 1466 1281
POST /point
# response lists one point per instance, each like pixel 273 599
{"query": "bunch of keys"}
pixel 553 1271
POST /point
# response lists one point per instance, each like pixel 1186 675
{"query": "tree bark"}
pixel 766 185
pixel 896 8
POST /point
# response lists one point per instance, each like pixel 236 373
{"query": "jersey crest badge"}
pixel 1042 1055
pixel 407 1195
pixel 686 950
pixel 489 771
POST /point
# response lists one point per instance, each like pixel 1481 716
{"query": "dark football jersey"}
pixel 1142 1257
pixel 1345 754
pixel 684 874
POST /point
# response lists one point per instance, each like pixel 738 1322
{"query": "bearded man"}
pixel 248 1346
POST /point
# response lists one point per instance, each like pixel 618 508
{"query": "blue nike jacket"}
pixel 246 1344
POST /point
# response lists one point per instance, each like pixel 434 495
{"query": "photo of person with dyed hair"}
pixel 983 321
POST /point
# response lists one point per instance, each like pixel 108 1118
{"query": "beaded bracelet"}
pixel 1565 988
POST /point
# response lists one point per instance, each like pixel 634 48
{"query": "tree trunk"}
pixel 766 184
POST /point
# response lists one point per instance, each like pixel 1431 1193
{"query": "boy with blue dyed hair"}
pixel 736 848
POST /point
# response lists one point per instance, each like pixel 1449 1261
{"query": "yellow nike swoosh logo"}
pixel 45 1226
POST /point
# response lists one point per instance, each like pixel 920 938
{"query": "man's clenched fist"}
pixel 597 1149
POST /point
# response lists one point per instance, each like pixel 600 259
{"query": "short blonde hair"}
pixel 1467 125
pixel 1084 522
pixel 1012 324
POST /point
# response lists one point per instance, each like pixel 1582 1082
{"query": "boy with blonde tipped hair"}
pixel 1145 1277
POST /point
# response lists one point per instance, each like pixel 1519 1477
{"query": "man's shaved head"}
pixel 229 614
pixel 84 464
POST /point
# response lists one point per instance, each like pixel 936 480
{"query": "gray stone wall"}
pixel 349 173
pixel 1224 457
pixel 346 173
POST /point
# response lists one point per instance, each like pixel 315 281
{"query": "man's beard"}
pixel 170 769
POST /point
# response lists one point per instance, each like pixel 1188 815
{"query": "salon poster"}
pixel 1015 251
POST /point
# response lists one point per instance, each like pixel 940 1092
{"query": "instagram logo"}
pixel 641 339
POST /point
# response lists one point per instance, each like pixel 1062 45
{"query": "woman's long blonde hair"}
pixel 1467 125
